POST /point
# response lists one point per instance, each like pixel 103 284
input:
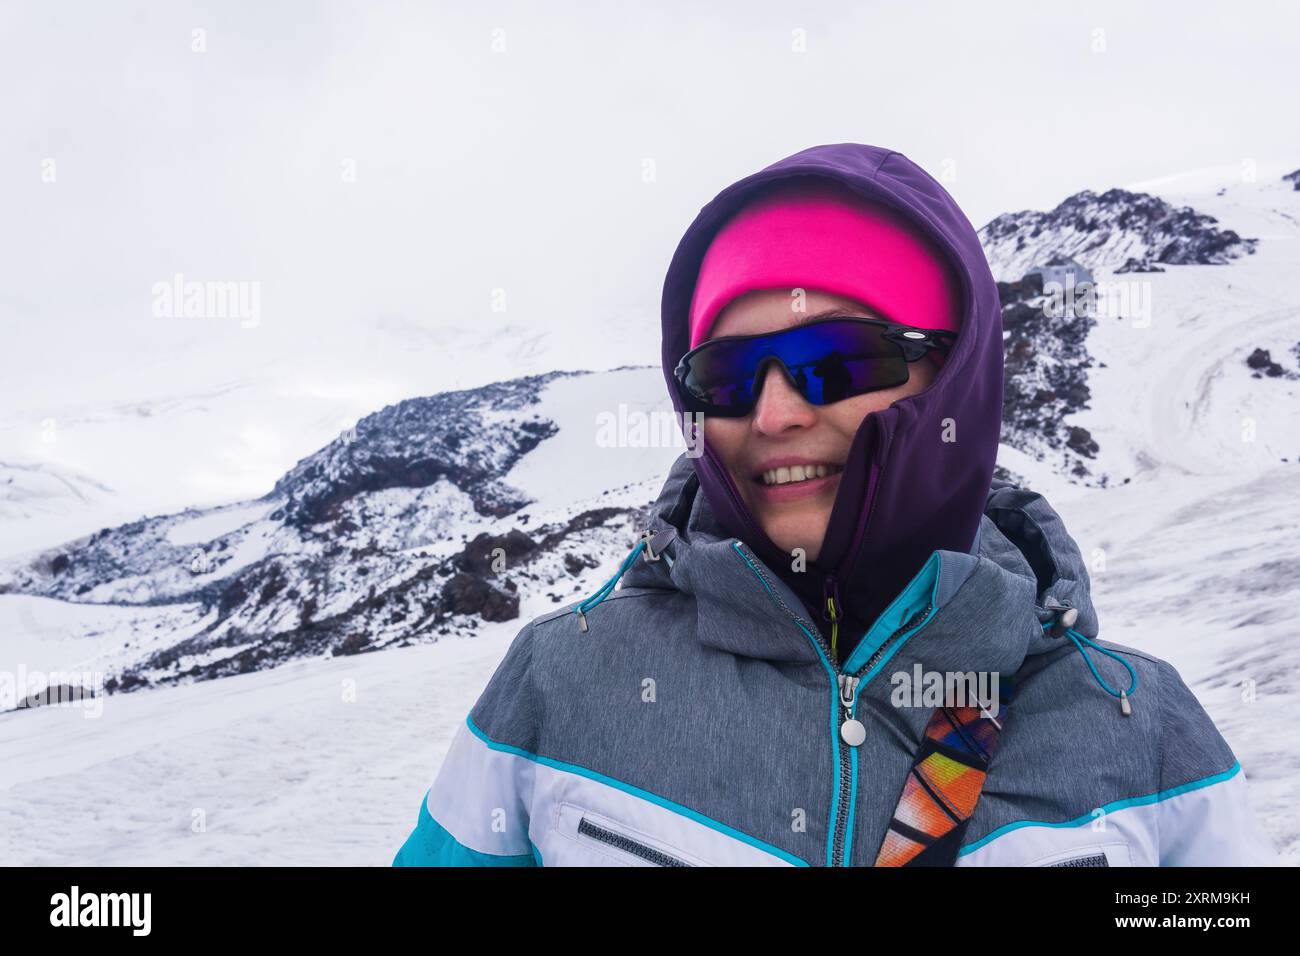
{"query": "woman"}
pixel 761 689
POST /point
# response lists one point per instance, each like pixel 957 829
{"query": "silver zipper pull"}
pixel 852 730
pixel 1124 706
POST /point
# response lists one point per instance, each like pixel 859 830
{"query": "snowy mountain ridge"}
pixel 1117 230
pixel 367 542
pixel 394 532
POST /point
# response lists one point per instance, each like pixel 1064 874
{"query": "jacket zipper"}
pixel 627 844
pixel 851 729
pixel 846 699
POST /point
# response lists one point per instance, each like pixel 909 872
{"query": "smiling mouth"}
pixel 787 475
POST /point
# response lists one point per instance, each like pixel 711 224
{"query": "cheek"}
pixel 846 416
pixel 725 436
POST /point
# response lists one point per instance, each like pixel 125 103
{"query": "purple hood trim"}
pixel 906 491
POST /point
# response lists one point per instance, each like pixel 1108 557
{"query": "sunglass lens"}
pixel 827 362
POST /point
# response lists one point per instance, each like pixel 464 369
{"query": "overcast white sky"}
pixel 523 169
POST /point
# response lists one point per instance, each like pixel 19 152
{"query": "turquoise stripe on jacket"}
pixel 430 844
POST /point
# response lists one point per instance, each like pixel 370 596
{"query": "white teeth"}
pixel 786 475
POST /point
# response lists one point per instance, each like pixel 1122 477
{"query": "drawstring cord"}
pixel 585 607
pixel 1075 637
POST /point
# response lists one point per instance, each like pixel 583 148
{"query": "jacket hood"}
pixel 919 472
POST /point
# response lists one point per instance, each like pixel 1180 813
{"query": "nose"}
pixel 779 405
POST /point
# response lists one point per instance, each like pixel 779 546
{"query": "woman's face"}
pixel 770 449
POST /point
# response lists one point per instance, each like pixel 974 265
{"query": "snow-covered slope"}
pixel 1173 394
pixel 384 536
pixel 319 763
pixel 133 457
pixel 1204 571
pixel 43 503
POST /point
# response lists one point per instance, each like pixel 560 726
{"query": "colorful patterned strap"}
pixel 944 784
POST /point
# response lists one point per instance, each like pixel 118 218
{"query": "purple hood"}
pixel 906 491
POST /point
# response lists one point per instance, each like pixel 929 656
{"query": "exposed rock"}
pixel 353 644
pixel 1261 361
pixel 1045 376
pixel 577 563
pixel 481 554
pixel 1137 265
pixel 470 594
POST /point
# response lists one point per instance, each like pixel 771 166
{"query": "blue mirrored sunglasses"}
pixel 826 361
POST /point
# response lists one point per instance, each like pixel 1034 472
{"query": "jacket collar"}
pixel 989 602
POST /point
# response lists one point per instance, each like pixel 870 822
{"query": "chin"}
pixel 788 535
pixel 787 526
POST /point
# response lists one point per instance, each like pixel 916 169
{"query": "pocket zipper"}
pixel 1092 858
pixel 627 844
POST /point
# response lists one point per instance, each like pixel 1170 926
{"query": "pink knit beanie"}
pixel 822 235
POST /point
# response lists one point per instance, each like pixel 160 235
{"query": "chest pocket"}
pixel 1114 853
pixel 607 842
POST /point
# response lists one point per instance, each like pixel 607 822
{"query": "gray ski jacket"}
pixel 692 716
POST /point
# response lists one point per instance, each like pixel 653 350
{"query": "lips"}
pixel 792 480
pixel 789 474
